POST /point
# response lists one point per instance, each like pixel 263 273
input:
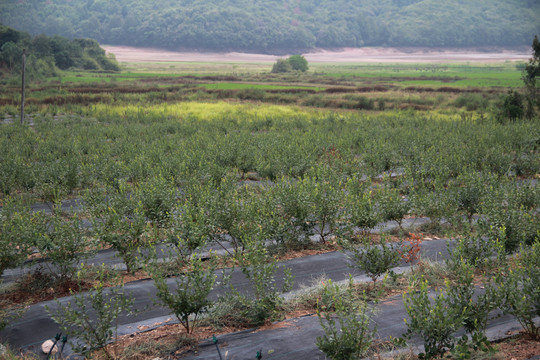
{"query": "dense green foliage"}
pixel 520 290
pixel 315 161
pixel 292 63
pixel 532 69
pixel 85 151
pixel 353 336
pixel 298 62
pixel 15 235
pixel 280 25
pixel 374 260
pixel 45 55
pixel 281 66
pixel 531 75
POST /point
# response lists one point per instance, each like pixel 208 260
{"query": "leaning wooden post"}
pixel 23 83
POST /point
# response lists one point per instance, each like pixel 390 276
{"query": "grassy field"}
pixel 237 86
pixel 462 75
pixel 194 68
pixel 90 77
pixel 487 75
pixel 367 87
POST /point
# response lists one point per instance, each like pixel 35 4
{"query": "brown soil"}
pixel 377 55
pixel 38 287
pixel 322 249
pixel 165 336
pixel 519 348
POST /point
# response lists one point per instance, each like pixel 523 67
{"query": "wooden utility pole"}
pixel 23 83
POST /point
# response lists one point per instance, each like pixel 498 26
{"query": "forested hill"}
pixel 280 25
pixel 45 55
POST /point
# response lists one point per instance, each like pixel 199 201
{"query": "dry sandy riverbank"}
pixel 351 55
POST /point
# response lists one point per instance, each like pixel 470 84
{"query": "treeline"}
pixel 45 55
pixel 280 25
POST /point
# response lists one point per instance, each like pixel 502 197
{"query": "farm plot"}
pixel 184 186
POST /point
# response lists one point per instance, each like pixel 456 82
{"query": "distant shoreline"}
pixel 346 55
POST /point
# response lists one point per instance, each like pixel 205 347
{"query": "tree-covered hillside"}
pixel 280 25
pixel 47 54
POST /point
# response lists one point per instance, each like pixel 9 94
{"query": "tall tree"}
pixel 298 62
pixel 530 78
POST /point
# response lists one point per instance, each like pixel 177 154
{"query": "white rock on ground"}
pixel 47 345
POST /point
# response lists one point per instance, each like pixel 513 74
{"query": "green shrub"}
pixel 89 64
pixel 359 212
pixel 294 222
pixel 233 211
pixel 510 215
pixel 520 290
pixel 63 242
pixel 469 193
pixel 260 269
pixel 481 253
pixel 17 234
pixel 92 317
pixel 511 106
pixel 294 62
pixel 434 204
pixel 119 221
pixel 375 260
pixel 526 195
pixel 189 229
pixel 158 198
pixel 298 62
pixel 255 263
pixel 251 94
pixel 432 320
pixel 365 103
pixel 392 206
pixel 512 226
pixel 476 307
pixel 351 335
pixel 471 102
pixel 189 297
pixel 326 200
pixel 281 66
pixel 58 179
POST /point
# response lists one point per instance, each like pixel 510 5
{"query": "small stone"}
pixel 3 350
pixel 47 345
